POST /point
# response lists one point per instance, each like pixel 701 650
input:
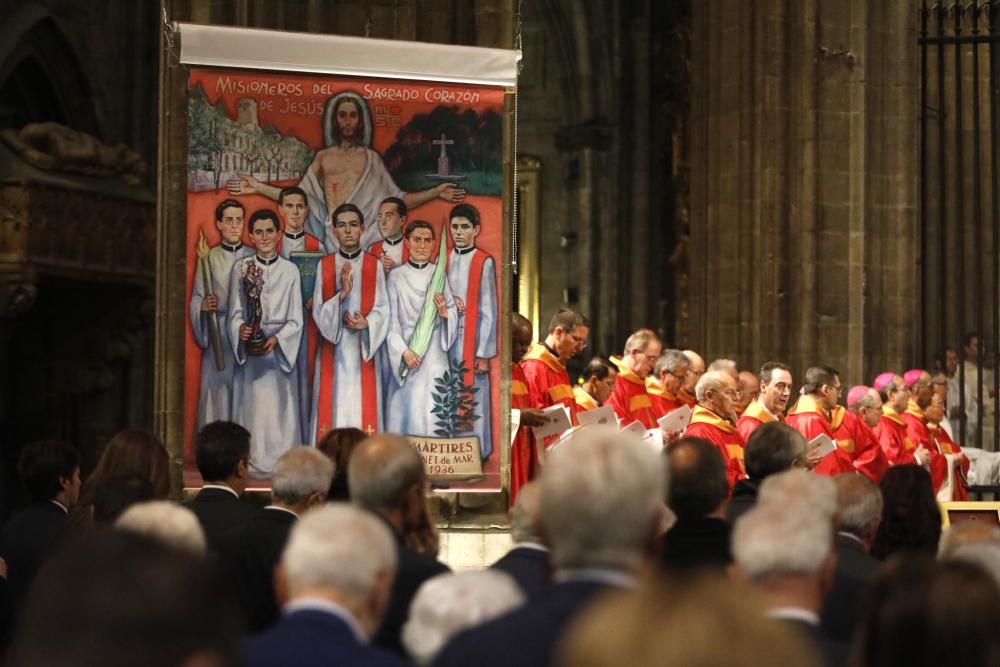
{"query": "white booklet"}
pixel 654 438
pixel 515 423
pixel 602 415
pixel 825 443
pixel 557 421
pixel 635 427
pixel 675 421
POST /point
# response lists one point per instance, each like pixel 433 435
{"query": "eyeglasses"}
pixel 580 342
pixel 680 376
pixel 695 373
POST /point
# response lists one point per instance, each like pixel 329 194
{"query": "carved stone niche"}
pixel 74 234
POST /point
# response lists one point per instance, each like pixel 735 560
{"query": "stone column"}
pixel 804 182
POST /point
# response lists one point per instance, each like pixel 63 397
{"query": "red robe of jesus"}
pixel 755 415
pixel 523 453
pixel 629 398
pixel 855 437
pixel 810 419
pixel 959 482
pixel 548 382
pixel 663 401
pixel 710 426
pixel 916 428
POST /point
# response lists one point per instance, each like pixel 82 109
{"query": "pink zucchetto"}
pixel 856 393
pixel 911 376
pixel 883 380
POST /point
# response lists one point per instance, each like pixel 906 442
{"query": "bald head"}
pixel 520 336
pixel 727 365
pixel 526 515
pixel 749 389
pixel 382 471
pixel 696 366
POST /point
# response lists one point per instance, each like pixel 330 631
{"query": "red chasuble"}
pixel 710 426
pixel 916 428
pixel 663 401
pixel 629 399
pixel 369 387
pixel 897 446
pixel 584 401
pixel 548 382
pixel 855 437
pixel 946 445
pixel 523 454
pixel 810 419
pixel 755 415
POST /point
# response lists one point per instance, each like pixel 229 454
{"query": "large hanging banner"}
pixel 344 244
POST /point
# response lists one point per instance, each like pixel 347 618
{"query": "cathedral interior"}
pixel 754 179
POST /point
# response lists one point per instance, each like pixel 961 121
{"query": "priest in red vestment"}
pixel 811 417
pixel 524 453
pixel 898 446
pixel 714 419
pixel 629 398
pixel 853 428
pixel 770 404
pixel 921 393
pixel 696 368
pixel 598 382
pixel 956 486
pixel 666 380
pixel 544 365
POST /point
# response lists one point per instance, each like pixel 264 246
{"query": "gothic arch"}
pixel 41 76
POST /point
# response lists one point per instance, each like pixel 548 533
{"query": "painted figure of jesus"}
pixel 347 171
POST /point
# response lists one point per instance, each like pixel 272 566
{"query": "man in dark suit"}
pixel 699 490
pixel 527 562
pixel 222 452
pixel 386 477
pixel 335 577
pixel 602 505
pixel 859 513
pixel 784 548
pixel 249 554
pixel 50 472
pixel 772 448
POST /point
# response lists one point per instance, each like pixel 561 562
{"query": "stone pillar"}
pixel 804 182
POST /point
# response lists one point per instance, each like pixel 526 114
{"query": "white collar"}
pixel 794 614
pixel 328 607
pixel 60 506
pixel 534 546
pixel 601 575
pixel 221 486
pixel 281 509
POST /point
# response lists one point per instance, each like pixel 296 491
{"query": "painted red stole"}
pixel 471 314
pixel 376 250
pixel 369 396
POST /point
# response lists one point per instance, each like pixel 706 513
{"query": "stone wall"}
pixel 804 182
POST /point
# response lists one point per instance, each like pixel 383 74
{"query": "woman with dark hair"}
pixel 338 445
pixel 923 613
pixel 128 453
pixel 911 520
